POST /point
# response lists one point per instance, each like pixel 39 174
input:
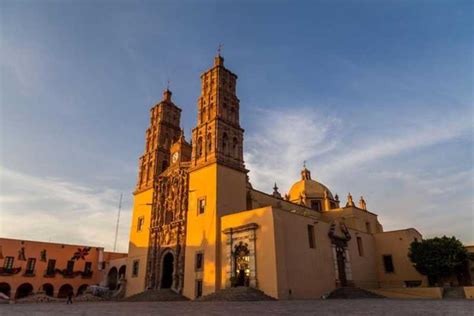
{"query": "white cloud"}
pixel 58 210
pixel 283 140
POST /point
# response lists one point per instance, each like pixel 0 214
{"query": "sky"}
pixel 376 96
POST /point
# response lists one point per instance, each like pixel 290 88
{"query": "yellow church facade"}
pixel 198 225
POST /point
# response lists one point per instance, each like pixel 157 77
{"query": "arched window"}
pixel 225 141
pixel 199 147
pixel 235 147
pixel 209 142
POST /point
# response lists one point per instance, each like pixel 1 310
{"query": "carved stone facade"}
pixel 168 228
pixel 240 255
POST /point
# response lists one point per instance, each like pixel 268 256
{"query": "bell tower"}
pixel 218 137
pixel 217 179
pixel 162 132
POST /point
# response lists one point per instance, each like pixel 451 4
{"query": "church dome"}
pixel 308 188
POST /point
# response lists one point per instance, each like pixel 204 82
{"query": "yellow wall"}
pixel 225 193
pixel 265 246
pixel 397 244
pixel 139 240
pixel 364 272
pixel 307 272
pixel 469 292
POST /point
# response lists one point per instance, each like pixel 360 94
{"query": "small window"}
pixel 198 288
pixel 30 265
pixel 136 265
pixel 201 205
pixel 8 263
pixel 70 266
pixel 360 246
pixel 51 266
pixel 199 261
pixel 316 205
pixel 368 228
pixel 311 236
pixel 388 263
pixel 88 267
pixel 141 221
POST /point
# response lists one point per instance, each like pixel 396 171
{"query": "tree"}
pixel 437 257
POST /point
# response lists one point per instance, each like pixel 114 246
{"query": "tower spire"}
pixel 219 60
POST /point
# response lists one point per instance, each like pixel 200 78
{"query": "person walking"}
pixel 69 298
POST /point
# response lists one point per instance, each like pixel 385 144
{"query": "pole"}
pixel 118 221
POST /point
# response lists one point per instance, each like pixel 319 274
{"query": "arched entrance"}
pixel 48 289
pixel 241 263
pixel 167 274
pixel 65 290
pixel 82 289
pixel 341 265
pixel 5 288
pixel 112 279
pixel 24 290
pixel 122 271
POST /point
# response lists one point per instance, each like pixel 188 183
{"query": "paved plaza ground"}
pixel 316 307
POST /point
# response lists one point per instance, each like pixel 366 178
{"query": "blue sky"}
pixel 375 95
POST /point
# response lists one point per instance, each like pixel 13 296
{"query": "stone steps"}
pixel 352 293
pixel 162 295
pixel 241 293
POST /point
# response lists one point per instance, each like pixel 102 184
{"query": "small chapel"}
pixel 199 227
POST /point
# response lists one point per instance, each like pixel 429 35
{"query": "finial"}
pixel 275 191
pixel 167 95
pixel 168 84
pixel 362 203
pixel 305 173
pixel 219 60
pixel 350 202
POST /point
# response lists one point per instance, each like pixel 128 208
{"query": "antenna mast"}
pixel 118 221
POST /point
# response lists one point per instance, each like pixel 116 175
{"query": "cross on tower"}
pixel 219 49
pixel 168 84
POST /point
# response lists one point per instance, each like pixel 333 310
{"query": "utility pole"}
pixel 118 221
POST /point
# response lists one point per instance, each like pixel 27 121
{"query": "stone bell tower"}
pixel 217 179
pixel 163 130
pixel 218 136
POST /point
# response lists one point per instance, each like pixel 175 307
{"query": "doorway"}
pixel 341 265
pixel 167 275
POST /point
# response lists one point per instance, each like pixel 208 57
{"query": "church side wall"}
pixel 364 272
pixel 397 244
pixel 303 272
pixel 139 240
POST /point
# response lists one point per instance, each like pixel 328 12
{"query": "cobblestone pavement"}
pixel 316 307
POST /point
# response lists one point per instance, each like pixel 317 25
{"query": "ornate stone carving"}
pixel 168 226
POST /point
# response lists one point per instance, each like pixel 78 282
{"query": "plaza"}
pixel 291 307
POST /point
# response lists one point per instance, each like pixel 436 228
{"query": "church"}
pixel 198 225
